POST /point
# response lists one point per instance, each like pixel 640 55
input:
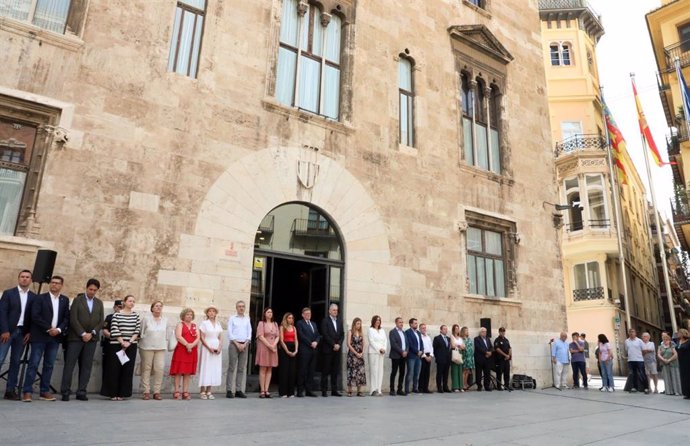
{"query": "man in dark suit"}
pixel 85 322
pixel 415 350
pixel 483 359
pixel 398 355
pixel 49 321
pixel 308 336
pixel 332 335
pixel 15 317
pixel 442 354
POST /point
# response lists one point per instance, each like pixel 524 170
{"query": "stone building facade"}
pixel 416 136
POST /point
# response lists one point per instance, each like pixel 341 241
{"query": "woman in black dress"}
pixel 683 350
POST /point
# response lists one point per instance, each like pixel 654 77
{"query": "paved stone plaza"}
pixel 542 417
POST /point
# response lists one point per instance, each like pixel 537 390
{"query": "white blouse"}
pixel 457 342
pixel 378 339
pixel 154 333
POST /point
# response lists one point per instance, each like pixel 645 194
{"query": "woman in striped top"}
pixel 124 332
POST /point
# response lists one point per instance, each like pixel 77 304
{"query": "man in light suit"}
pixel 309 337
pixel 442 353
pixel 85 322
pixel 398 355
pixel 332 335
pixel 15 317
pixel 415 350
pixel 49 321
pixel 483 359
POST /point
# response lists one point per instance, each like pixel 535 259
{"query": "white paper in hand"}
pixel 122 356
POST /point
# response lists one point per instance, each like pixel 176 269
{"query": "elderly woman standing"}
pixel 649 356
pixel 186 355
pixel 153 347
pixel 211 353
pixel 668 358
pixel 125 328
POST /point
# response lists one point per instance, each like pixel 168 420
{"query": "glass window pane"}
pixel 16 9
pixel 474 239
pixel 335 284
pixel 566 54
pixel 305 29
pixel 490 290
pixel 500 278
pixel 580 277
pixel 495 153
pixel 317 38
pixel 481 276
pixel 174 38
pixel 289 25
pixel 331 100
pixel 553 49
pixel 333 39
pixel 405 74
pixel 593 280
pixel 309 84
pixel 597 209
pixel 482 147
pixel 198 4
pixel 197 46
pixel 571 183
pixel 467 141
pixel 185 45
pixel 472 273
pixel 403 119
pixel 51 14
pixel 593 180
pixel 11 190
pixel 285 80
pixel 410 119
pixel 493 243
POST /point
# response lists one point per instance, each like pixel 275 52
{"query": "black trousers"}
pixel 287 370
pixel 483 370
pixel 330 367
pixel 503 372
pixel 398 365
pixel 306 359
pixel 118 377
pixel 424 375
pixel 81 353
pixel 442 370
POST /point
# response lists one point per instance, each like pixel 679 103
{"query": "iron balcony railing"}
pixel 580 142
pixel 594 224
pixel 313 228
pixel 680 50
pixel 588 294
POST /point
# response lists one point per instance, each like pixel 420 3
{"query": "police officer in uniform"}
pixel 503 356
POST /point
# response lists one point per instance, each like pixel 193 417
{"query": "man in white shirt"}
pixel 633 349
pixel 427 357
pixel 239 337
pixel 560 357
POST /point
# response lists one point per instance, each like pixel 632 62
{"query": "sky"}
pixel 625 48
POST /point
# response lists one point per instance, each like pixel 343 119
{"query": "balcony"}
pixel 313 228
pixel 585 294
pixel 680 50
pixel 578 143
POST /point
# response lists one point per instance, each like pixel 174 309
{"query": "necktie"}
pixel 445 339
pixel 310 326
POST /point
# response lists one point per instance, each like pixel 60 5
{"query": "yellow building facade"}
pixel 594 292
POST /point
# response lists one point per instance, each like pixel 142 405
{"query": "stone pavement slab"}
pixel 519 418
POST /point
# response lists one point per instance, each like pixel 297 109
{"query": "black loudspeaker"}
pixel 485 322
pixel 43 268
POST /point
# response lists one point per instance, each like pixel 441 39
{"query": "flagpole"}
pixel 617 213
pixel 659 230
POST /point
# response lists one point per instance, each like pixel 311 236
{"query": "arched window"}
pixel 406 93
pixel 308 75
pixel 480 122
pixel 560 53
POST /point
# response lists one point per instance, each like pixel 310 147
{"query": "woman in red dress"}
pixel 185 356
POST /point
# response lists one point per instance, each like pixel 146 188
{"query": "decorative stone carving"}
pixel 308 166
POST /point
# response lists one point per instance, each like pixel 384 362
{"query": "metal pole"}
pixel 662 251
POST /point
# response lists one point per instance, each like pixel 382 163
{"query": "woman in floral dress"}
pixel 356 375
pixel 467 357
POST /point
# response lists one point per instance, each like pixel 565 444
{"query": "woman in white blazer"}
pixel 378 342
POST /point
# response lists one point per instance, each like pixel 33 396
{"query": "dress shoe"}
pixel 446 390
pixel 82 397
pixel 336 393
pixel 46 396
pixel 312 394
pixel 324 393
pixel 392 392
pixel 26 397
pixel 229 394
pixel 300 394
pixel 401 393
pixel 65 397
pixel 240 394
pixel 12 395
pixel 500 389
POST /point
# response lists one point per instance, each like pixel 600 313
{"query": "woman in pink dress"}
pixel 185 356
pixel 266 350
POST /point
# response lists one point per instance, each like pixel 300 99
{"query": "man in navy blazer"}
pixel 398 355
pixel 332 335
pixel 15 317
pixel 309 337
pixel 483 359
pixel 49 322
pixel 415 350
pixel 442 353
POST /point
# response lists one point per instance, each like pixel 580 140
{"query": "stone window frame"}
pixel 345 10
pixel 410 95
pixel 510 239
pixel 481 6
pixel 47 120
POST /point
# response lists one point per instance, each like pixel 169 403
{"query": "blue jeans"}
pixel 48 351
pixel 414 367
pixel 607 373
pixel 16 343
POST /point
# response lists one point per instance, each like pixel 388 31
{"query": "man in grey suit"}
pixel 398 355
pixel 86 321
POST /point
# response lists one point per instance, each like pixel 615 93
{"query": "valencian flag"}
pixel 684 93
pixel 644 129
pixel 618 144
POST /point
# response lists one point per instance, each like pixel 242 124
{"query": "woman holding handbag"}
pixel 457 347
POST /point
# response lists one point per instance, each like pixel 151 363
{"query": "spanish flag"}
pixel 644 129
pixel 618 144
